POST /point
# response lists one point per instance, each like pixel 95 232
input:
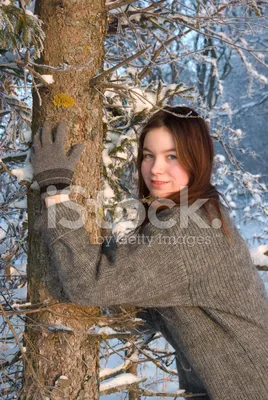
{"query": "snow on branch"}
pixel 122 382
pixel 259 257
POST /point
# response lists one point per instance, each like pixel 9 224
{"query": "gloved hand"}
pixel 51 165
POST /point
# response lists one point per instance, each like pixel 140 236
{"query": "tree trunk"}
pixel 133 394
pixel 75 31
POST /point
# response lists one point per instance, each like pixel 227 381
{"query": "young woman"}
pixel 187 264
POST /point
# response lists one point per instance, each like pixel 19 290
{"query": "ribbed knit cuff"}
pixel 52 190
pixel 54 177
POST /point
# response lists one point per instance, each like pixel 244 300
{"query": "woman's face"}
pixel 160 167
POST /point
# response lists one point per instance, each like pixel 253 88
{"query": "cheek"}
pixel 181 175
pixel 144 169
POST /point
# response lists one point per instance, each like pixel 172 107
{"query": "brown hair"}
pixel 195 151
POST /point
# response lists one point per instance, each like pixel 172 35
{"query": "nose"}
pixel 157 166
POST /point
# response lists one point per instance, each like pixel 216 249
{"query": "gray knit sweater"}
pixel 200 291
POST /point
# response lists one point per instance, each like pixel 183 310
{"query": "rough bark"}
pixel 75 32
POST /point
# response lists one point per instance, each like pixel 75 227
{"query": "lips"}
pixel 158 183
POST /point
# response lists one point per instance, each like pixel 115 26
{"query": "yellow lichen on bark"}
pixel 63 100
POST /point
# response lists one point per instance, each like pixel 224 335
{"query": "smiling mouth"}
pixel 158 183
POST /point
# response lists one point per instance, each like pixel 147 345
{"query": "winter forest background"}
pixel 104 68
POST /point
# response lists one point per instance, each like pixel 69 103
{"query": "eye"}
pixel 172 157
pixel 147 155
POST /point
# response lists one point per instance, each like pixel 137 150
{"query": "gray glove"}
pixel 51 165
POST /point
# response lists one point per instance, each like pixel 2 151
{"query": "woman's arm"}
pixel 145 271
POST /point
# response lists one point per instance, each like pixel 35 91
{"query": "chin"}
pixel 158 193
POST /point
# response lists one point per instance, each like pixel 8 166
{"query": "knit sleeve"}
pixel 143 271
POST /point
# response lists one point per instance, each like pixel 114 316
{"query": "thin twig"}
pixel 5 169
pixel 119 4
pixel 111 70
pixel 146 69
pixel 10 325
pixel 262 267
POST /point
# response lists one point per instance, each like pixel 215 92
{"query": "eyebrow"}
pixel 166 151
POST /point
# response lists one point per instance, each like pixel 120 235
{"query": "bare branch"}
pixel 119 4
pixel 262 267
pixel 5 169
pixel 111 70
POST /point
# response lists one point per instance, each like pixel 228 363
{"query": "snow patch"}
pixel 123 379
pixel 23 174
pixel 258 256
pixel 19 204
pixel 4 3
pixel 108 191
pixel 106 158
pixel 48 78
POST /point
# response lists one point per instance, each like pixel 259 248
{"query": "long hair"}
pixel 195 150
